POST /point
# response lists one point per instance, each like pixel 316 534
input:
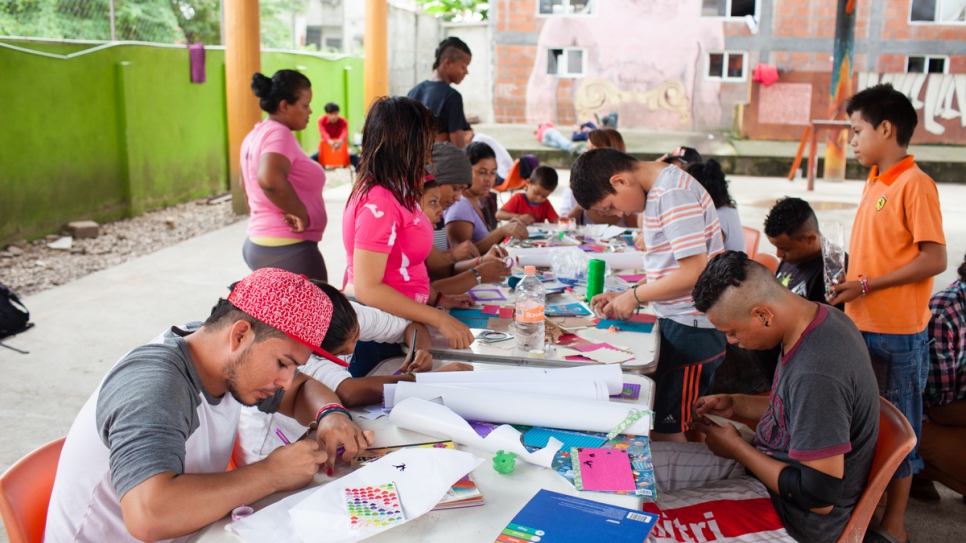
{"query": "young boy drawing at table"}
pixel 682 233
pixel 533 206
pixel 896 248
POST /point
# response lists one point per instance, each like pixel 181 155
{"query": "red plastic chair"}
pixel 751 241
pixel 334 159
pixel 769 261
pixel 25 493
pixel 896 439
pixel 513 180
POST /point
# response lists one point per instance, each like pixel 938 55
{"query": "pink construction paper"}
pixel 491 310
pixel 632 278
pixel 594 346
pixel 605 470
pixel 643 317
pixel 506 312
pixel 578 358
pixel 567 340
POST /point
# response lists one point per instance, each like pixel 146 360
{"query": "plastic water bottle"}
pixel 528 318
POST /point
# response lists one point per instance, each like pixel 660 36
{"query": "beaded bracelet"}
pixel 864 282
pixel 331 408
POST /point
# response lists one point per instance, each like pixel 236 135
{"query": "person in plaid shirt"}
pixel 944 399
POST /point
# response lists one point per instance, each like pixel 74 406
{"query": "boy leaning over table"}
pixel 146 457
pixel 682 232
pixel 816 437
pixel 896 248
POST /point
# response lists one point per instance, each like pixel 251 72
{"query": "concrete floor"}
pixel 83 327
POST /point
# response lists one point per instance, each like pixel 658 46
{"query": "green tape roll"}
pixel 595 278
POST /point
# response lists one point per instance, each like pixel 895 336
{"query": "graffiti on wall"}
pixel 595 95
pixel 941 91
pixel 654 72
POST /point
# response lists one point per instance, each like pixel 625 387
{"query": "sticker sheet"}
pixel 602 470
pixel 374 506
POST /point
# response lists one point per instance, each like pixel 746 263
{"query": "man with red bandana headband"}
pixel 146 457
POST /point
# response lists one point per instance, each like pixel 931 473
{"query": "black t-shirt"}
pixel 807 279
pixel 445 101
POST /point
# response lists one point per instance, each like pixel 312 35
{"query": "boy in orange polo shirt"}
pixel 897 247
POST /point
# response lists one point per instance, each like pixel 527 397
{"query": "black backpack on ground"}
pixel 13 319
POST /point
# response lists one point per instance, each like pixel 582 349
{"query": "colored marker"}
pixel 281 436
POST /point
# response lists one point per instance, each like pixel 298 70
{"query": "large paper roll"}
pixel 586 390
pixel 540 256
pixel 528 409
pixel 609 374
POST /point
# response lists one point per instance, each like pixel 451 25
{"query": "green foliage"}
pixel 457 10
pixel 135 20
pixel 200 20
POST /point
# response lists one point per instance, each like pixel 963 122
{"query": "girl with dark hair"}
pixel 351 324
pixel 386 236
pixel 596 139
pixel 713 180
pixel 282 185
pixel 453 57
pixel 466 219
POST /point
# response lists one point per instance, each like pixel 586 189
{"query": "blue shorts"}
pixel 901 366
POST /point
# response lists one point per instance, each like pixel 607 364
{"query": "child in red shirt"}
pixel 333 128
pixel 533 205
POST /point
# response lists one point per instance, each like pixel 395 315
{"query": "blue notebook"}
pixel 558 518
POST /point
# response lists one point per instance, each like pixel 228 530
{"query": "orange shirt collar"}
pixel 889 176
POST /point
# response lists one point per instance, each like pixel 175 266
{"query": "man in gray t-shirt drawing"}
pixel 146 457
pixel 816 439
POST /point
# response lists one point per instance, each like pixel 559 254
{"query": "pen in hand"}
pixel 412 353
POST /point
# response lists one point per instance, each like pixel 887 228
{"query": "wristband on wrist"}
pixel 864 282
pixel 479 278
pixel 634 292
pixel 329 409
pixel 439 296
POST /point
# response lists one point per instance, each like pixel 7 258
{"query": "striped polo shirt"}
pixel 679 221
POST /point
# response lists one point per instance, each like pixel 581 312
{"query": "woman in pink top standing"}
pixel 387 237
pixel 283 186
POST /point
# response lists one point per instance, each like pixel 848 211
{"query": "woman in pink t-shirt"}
pixel 386 235
pixel 283 186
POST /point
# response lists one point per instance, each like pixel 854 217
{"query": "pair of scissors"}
pixel 490 336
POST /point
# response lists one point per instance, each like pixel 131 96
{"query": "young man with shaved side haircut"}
pixel 817 431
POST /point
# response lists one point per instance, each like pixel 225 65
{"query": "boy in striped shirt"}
pixel 682 234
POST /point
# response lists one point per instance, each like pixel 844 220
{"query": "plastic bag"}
pixel 833 253
pixel 568 264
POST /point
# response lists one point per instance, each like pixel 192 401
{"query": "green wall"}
pixel 121 130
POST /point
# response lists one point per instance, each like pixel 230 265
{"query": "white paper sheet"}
pixel 611 231
pixel 426 476
pixel 530 409
pixel 322 515
pixel 612 375
pixel 436 420
pixel 588 390
pixel 746 433
pixel 630 260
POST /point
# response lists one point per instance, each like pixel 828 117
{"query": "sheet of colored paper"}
pixel 569 340
pixel 566 310
pixel 487 294
pixel 506 312
pixel 474 322
pixel 643 317
pixel 639 453
pixel 594 346
pixel 602 470
pixel 626 326
pixel 631 391
pixel 538 437
pixel 579 358
pixel 491 310
pixel 632 278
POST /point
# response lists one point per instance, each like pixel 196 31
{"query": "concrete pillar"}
pixel 375 66
pixel 242 60
pixel 837 141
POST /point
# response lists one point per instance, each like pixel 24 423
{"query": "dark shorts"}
pixel 901 366
pixel 685 371
pixel 303 258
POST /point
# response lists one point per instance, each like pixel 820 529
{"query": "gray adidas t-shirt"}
pixel 148 408
pixel 824 402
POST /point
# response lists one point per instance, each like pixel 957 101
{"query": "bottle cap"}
pixel 530 270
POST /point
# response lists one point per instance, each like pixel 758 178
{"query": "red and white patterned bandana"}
pixel 289 303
